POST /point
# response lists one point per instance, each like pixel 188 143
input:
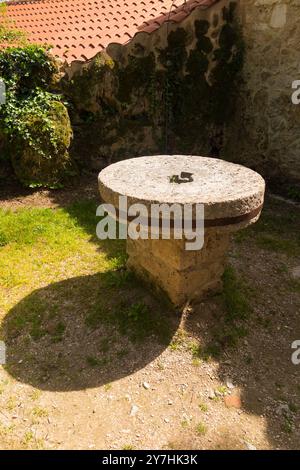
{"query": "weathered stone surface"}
pixel 185 277
pixel 227 191
pixel 265 131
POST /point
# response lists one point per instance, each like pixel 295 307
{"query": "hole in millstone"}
pixel 184 177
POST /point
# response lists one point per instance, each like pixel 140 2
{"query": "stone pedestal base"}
pixel 183 275
pixel 231 196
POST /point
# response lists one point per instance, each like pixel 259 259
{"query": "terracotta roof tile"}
pixel 79 29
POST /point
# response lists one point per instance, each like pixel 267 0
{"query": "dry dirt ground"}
pixel 218 375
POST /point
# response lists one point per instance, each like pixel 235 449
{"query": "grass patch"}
pixel 35 243
pixel 28 437
pixel 95 362
pixel 222 389
pixel 178 340
pixel 277 230
pixel 28 318
pixel 204 353
pixel 232 326
pixel 132 319
pixel 104 345
pixel 287 426
pixel 122 353
pixel 34 317
pixel 58 332
pixel 11 404
pixel 185 423
pixel 29 226
pixel 272 243
pixel 234 296
pixel 201 429
pixel 118 279
pixel 35 395
pixel 293 407
pixel 294 285
pixel 138 322
pixel 96 316
pixel 3 384
pixel 67 294
pixel 203 407
pixel 39 412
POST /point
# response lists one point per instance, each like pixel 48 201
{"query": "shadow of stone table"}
pixel 231 197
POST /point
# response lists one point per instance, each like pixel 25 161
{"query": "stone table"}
pixel 232 197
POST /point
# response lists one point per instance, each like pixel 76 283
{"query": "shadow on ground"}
pixel 13 195
pixel 250 330
pixel 85 332
pixel 91 330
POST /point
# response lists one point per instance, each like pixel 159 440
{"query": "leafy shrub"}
pixel 25 68
pixel 43 155
pixel 34 122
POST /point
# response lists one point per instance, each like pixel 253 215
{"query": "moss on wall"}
pixel 135 75
pixel 229 58
pixel 84 86
pixel 173 94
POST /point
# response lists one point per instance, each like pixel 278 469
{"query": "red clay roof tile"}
pixel 79 29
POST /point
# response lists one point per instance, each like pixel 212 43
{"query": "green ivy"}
pixel 17 126
pixel 33 122
pixel 27 67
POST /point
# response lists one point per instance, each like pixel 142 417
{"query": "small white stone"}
pixel 146 385
pixel 296 272
pixel 134 410
pixel 229 384
pixel 250 446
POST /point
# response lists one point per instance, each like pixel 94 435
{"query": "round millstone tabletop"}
pixel 229 192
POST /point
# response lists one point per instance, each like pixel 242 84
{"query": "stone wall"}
pixel 171 91
pixel 265 133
